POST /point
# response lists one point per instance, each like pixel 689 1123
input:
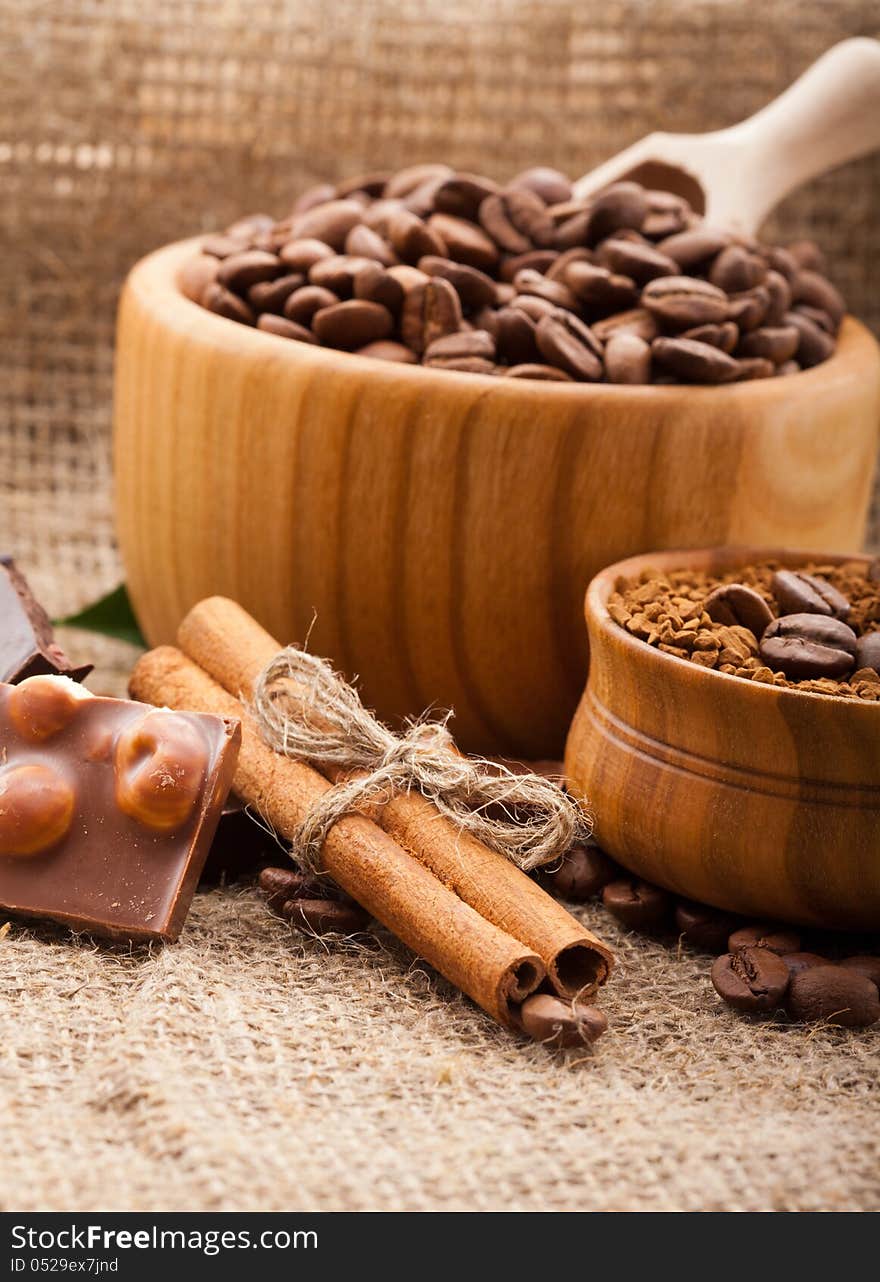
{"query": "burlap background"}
pixel 242 1068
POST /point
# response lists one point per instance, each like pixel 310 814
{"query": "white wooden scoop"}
pixel 736 176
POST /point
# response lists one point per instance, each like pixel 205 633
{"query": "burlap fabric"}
pixel 245 1067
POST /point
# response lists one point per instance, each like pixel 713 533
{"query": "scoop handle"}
pixel 831 114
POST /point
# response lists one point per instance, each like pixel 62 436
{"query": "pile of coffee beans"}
pixel 815 629
pixel 447 269
pixel 761 969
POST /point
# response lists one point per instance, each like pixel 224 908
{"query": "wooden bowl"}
pixel 439 529
pixel 754 798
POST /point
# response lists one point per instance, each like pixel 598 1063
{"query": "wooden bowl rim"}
pixel 155 277
pixel 670 667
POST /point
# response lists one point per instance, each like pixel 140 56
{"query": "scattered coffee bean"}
pixel 797 592
pixel 751 979
pixel 734 603
pixel 638 904
pixel 278 885
pixel 325 916
pixel 583 873
pixel 706 928
pixel 864 965
pixel 834 995
pixel 776 938
pixel 558 1024
pixel 807 646
pixel 796 962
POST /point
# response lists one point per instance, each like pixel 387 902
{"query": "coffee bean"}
pixel 337 273
pixel 284 328
pixel 774 344
pixel 752 979
pixel 799 593
pixel 553 292
pixel 196 274
pixel 695 246
pixel 749 367
pixel 693 362
pixel 517 220
pixel 735 270
pixel 278 885
pixel 387 350
pixel 807 646
pixel 474 288
pixel 376 284
pixel 223 302
pixel 816 315
pixel 815 345
pixel 408 180
pixel 476 343
pixel 641 262
pixel 582 873
pixel 352 324
pixel 566 342
pixel 372 184
pixel 628 359
pixel 725 335
pixel 325 916
pixel 220 246
pixel 537 260
pixel 363 242
pixel 556 1023
pixel 637 321
pixel 749 310
pixel 796 962
pixel 464 242
pixel 461 194
pixel 302 305
pixel 864 965
pixel 734 604
pixel 681 302
pixel 552 186
pixel 544 373
pixel 868 651
pixel 533 306
pixel 249 226
pixel 301 255
pixel 816 291
pixel 329 223
pixel 515 337
pixel 317 195
pixel 271 295
pixel 807 255
pixel 239 271
pixel 706 928
pixel 834 995
pixel 564 260
pixel 625 204
pixel 668 215
pixel 776 938
pixel 600 289
pixel 638 904
pixel 430 310
pixel 779 304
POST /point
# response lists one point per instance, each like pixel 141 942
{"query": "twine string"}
pixel 306 711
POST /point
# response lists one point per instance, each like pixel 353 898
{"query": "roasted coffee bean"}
pixel 285 328
pixel 461 195
pixel 196 274
pixel 706 928
pixel 864 965
pixel 278 885
pixel 816 315
pixel 337 274
pixel 641 262
pixel 566 342
pixel 412 239
pixel 834 995
pixel 537 260
pixel 464 241
pixel 221 246
pixel 371 184
pixel 749 367
pixel 363 242
pixel 797 962
pixel 572 233
pixel 695 246
pixel 779 304
pixel 725 336
pixel 223 302
pixel 808 646
pixel 693 362
pixel 749 310
pixel 552 291
pixel 329 223
pixel 515 337
pixel 430 310
pixel 735 270
pixel 681 302
pixel 352 324
pixel 637 321
pixel 271 295
pixel 582 873
pixel 517 220
pixel 781 260
pixel 325 916
pixel 302 305
pixel 544 373
pixel 475 343
pixel 799 593
pixel 734 604
pixel 773 344
pixel 638 904
pixel 408 180
pixel 868 651
pixel 387 350
pixel 376 284
pixel 599 289
pixel 668 214
pixel 754 980
pixel 815 345
pixel 562 261
pixel 317 195
pixel 777 938
pixel 628 359
pixel 533 306
pixel 239 271
pixel 556 1023
pixel 301 255
pixel 816 291
pixel 625 204
pixel 552 186
pixel 249 226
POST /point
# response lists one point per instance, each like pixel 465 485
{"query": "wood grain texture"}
pixel 754 798
pixel 437 530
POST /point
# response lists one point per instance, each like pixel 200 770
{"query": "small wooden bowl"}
pixel 439 529
pixel 757 799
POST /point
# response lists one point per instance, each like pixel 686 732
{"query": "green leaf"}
pixel 112 616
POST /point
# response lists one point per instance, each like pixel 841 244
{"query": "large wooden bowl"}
pixel 439 529
pixel 754 798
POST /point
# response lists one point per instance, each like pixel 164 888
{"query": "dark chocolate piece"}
pixel 107 807
pixel 27 645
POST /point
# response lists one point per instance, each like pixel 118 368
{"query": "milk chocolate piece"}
pixel 107 807
pixel 27 646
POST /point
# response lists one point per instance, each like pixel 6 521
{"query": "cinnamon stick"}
pixel 494 969
pixel 224 640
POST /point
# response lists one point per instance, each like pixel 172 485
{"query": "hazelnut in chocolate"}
pixel 107 807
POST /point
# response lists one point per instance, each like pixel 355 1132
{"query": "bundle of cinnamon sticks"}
pixel 486 926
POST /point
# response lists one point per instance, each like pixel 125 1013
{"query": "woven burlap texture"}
pixel 245 1067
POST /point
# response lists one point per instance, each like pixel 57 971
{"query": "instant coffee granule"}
pixel 815 629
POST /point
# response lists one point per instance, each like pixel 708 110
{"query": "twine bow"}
pixel 307 711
